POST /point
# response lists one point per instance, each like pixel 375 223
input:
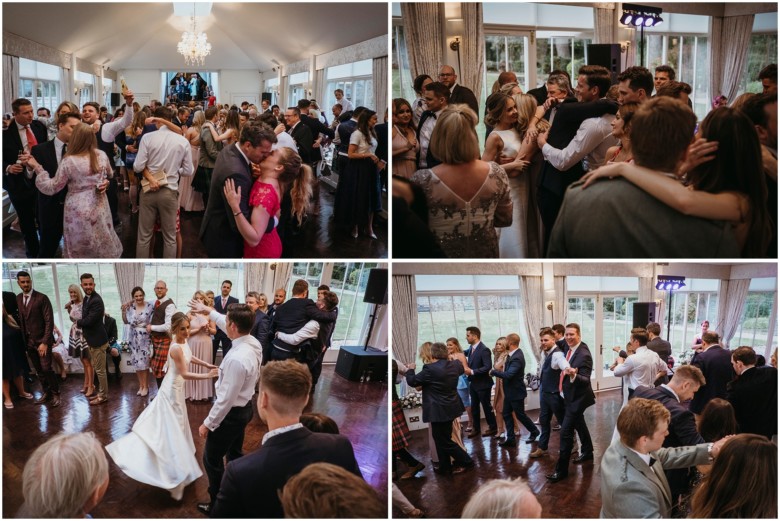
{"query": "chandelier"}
pixel 194 46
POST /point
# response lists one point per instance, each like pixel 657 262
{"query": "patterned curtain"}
pixel 472 49
pixel 254 276
pixel 423 30
pixel 404 295
pixel 729 42
pixel 282 274
pixel 128 275
pixel 380 86
pixel 604 23
pixel 532 300
pixel 561 303
pixel 10 81
pixel 733 294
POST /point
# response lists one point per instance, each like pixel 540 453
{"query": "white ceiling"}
pixel 243 35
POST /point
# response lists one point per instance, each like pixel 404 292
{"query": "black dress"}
pixel 359 190
pixel 14 362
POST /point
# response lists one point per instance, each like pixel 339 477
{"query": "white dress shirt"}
pixel 346 105
pixel 590 145
pixel 281 430
pixel 238 375
pixel 165 327
pixel 284 140
pixel 109 131
pixel 425 137
pixel 309 330
pixel 168 151
pixel 641 368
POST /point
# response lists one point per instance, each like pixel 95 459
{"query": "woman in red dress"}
pixel 280 169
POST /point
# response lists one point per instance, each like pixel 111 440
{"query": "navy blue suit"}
pixel 51 208
pixel 577 396
pixel 480 384
pixel 550 399
pixel 514 394
pixel 441 405
pixel 715 364
pixel 220 338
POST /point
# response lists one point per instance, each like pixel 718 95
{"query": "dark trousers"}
pixel 549 206
pixel 113 199
pixel 24 204
pixel 446 448
pixel 316 368
pixel 220 339
pixel 225 440
pixel 43 366
pixel 405 456
pixel 478 397
pixel 280 354
pixel 551 405
pixel 517 407
pixel 572 421
pixel 51 217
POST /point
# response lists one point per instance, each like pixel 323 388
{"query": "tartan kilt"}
pixel 400 428
pixel 160 344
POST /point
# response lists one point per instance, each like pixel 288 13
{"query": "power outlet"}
pixel 414 418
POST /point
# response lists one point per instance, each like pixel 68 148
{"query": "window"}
pixel 297 88
pixel 108 86
pixel 39 83
pixel 447 305
pixel 692 305
pixel 753 328
pixel 762 52
pixel 559 52
pixel 272 86
pixel 402 73
pixel 355 79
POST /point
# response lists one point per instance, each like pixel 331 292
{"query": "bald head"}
pixel 447 76
pixel 507 77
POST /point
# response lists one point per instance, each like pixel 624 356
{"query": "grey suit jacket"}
pixel 630 489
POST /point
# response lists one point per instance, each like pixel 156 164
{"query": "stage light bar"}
pixel 669 282
pixel 635 15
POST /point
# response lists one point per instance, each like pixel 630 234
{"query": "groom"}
pixel 224 427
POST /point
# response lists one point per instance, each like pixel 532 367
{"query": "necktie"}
pixel 26 300
pixel 64 149
pixel 157 304
pixel 560 383
pixel 31 141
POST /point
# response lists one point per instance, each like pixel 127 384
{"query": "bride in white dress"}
pixel 159 450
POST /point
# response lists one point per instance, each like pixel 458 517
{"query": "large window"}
pixel 355 79
pixel 553 52
pixel 85 83
pixel 272 86
pixel 695 303
pixel 402 74
pixel 762 52
pixel 447 305
pixel 39 83
pixel 296 89
pixel 757 314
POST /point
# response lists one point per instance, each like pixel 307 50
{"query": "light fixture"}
pixel 669 283
pixel 194 45
pixel 626 18
pixel 641 16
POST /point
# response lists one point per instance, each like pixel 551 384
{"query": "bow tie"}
pixel 429 114
pixel 652 462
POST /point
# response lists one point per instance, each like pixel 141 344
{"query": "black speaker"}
pixel 376 289
pixel 354 363
pixel 266 96
pixel 116 99
pixel 607 55
pixel 644 313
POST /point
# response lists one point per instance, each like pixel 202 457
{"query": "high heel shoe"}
pixel 84 390
pixel 144 392
pixel 91 392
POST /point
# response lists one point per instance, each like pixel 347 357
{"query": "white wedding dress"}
pixel 159 449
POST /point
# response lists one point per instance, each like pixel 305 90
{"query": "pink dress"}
pixel 88 229
pixel 270 246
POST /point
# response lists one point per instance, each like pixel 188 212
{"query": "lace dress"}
pixel 270 246
pixel 88 229
pixel 159 450
pixel 465 229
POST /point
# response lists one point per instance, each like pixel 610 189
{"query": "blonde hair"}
pixel 83 141
pixel 62 475
pixel 77 289
pixel 639 418
pixel 199 293
pixel 198 120
pixel 425 353
pixel 497 499
pixel 526 109
pixel 301 177
pixel 454 140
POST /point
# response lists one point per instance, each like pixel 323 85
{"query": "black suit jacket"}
pixel 316 127
pixel 480 362
pixel 292 315
pixel 219 232
pixel 18 184
pixel 251 484
pixel 49 206
pixel 754 397
pixel 461 94
pixel 221 307
pixel 660 346
pixel 578 395
pixel 91 321
pixel 304 139
pixel 715 363
pixel 540 93
pixel 260 327
pixel 430 160
pixel 381 141
pixel 345 130
pixel 513 376
pixel 439 382
pixel 36 320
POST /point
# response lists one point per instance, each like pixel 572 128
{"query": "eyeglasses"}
pixel 445 74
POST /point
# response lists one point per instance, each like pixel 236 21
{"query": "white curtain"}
pixel 604 23
pixel 254 276
pixel 532 301
pixel 561 302
pixel 66 92
pixel 472 49
pixel 319 92
pixel 729 42
pixel 10 81
pixel 380 86
pixel 128 275
pixel 423 30
pixel 404 318
pixel 733 294
pixel 282 274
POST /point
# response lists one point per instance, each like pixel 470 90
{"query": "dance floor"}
pixel 578 496
pixel 319 239
pixel 359 409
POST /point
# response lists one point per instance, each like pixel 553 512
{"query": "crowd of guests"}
pixel 275 349
pixel 707 188
pixel 253 172
pixel 687 439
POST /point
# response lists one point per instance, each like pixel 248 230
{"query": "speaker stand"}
pixel 370 328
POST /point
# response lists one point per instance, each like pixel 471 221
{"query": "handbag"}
pixel 160 177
